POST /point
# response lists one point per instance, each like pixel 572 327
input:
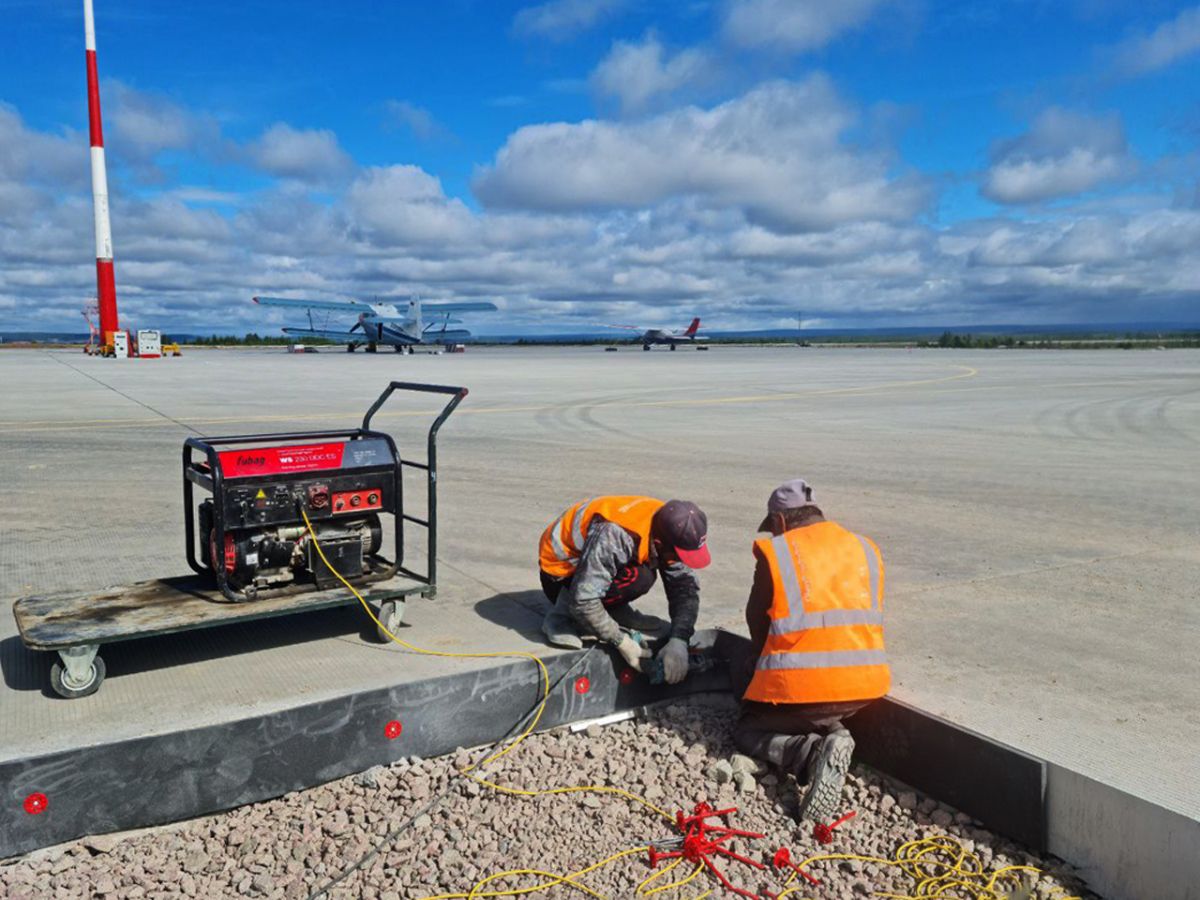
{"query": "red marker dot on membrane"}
pixel 627 676
pixel 35 803
pixel 393 729
pixel 582 684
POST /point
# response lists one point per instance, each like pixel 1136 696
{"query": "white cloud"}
pixel 145 124
pixel 416 119
pixel 710 245
pixel 636 73
pixel 560 20
pixel 406 205
pixel 777 153
pixel 308 155
pixel 1168 43
pixel 792 25
pixel 1064 153
pixel 28 156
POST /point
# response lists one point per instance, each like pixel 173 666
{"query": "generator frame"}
pixel 77 624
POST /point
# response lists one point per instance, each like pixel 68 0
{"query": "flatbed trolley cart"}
pixel 249 548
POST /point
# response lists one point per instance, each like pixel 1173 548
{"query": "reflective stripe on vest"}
pixel 798 619
pixel 556 542
pixel 826 659
pixel 825 640
pixel 562 542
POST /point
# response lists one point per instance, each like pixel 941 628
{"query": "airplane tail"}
pixel 693 328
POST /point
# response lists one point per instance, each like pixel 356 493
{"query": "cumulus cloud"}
pixel 560 20
pixel 792 25
pixel 406 205
pixel 777 153
pixel 1064 153
pixel 30 157
pixel 416 119
pixel 145 123
pixel 1168 43
pixel 638 72
pixel 705 246
pixel 307 155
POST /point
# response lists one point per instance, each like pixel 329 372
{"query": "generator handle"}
pixel 456 394
pixel 417 387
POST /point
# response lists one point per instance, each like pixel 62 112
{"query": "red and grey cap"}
pixel 684 527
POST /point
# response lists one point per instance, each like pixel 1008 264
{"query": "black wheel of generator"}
pixel 645 346
pixel 391 617
pixel 672 346
pixel 70 690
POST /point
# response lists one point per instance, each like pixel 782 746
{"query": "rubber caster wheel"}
pixel 391 617
pixel 65 687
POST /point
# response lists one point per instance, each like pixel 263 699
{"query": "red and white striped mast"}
pixel 106 288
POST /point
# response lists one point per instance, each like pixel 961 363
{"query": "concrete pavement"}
pixel 1037 512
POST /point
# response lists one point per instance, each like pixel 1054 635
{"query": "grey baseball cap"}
pixel 789 495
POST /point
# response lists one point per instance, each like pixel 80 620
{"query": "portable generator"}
pixel 250 534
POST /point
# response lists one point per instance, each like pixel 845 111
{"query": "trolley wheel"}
pixel 66 687
pixel 391 617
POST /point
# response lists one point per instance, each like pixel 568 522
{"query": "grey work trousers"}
pixel 787 734
pixel 784 734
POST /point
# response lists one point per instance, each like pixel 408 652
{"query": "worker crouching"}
pixel 603 553
pixel 815 616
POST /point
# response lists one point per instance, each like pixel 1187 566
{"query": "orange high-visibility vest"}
pixel 826 639
pixel 562 541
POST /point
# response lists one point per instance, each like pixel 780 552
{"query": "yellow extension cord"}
pixel 958 873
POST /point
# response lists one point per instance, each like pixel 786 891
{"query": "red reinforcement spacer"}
pixel 823 833
pixel 582 684
pixel 393 729
pixel 783 860
pixel 35 804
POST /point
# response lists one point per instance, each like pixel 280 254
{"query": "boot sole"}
pixel 824 794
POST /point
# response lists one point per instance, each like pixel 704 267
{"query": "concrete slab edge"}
pixel 1126 847
pixel 163 778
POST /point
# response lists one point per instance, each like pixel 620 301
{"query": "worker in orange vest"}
pixel 605 552
pixel 815 616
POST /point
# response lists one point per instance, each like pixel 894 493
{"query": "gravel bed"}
pixel 675 757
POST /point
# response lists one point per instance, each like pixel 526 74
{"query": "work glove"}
pixel 632 652
pixel 674 659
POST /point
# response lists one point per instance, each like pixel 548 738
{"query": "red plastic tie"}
pixel 783 859
pixel 627 676
pixel 393 729
pixel 582 684
pixel 702 840
pixel 35 804
pixel 824 833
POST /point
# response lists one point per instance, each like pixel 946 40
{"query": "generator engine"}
pixel 250 533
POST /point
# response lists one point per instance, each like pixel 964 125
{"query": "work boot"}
pixel 651 627
pixel 827 770
pixel 560 629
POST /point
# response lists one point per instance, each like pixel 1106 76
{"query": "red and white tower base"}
pixel 106 288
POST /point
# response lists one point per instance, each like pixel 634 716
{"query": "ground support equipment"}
pixel 76 625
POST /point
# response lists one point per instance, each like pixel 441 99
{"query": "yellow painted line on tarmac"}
pixel 17 427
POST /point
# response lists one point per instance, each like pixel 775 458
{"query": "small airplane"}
pixel 383 323
pixel 651 336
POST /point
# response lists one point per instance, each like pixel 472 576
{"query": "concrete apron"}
pixel 1125 847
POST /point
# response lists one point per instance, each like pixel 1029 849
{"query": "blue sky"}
pixel 579 161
